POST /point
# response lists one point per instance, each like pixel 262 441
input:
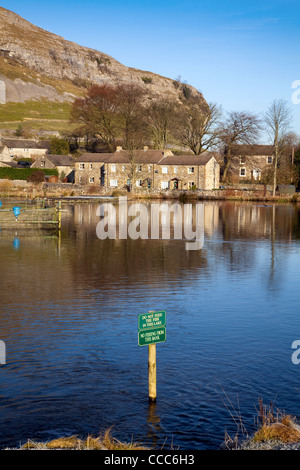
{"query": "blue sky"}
pixel 241 55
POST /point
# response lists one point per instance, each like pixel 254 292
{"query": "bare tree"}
pixel 278 119
pixel 114 113
pixel 132 124
pixel 96 112
pixel 199 128
pixel 134 166
pixel 162 119
pixel 240 128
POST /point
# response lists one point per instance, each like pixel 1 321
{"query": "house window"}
pixel 139 167
pixel 164 169
pixel 269 160
pixel 242 160
pixel 191 184
pixel 139 183
pixel 113 168
pixel 91 166
pixel 191 170
pixel 92 179
pixel 149 168
pixel 123 167
pixel 242 171
pixel 43 163
pixel 164 184
pixel 175 169
pixel 113 182
pixel 81 166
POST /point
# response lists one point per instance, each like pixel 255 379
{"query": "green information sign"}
pixel 151 328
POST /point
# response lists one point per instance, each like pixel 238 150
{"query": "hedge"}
pixel 22 173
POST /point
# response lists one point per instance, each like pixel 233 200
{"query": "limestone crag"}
pixel 39 54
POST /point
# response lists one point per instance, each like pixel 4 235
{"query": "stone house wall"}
pixel 249 167
pixel 148 175
pixel 4 154
pixel 88 172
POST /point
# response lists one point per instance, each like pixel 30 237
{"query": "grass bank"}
pixel 38 115
pixel 275 430
pixel 103 442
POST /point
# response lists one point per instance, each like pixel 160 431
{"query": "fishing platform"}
pixel 30 216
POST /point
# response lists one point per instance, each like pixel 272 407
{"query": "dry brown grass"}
pixel 276 425
pixel 273 427
pixel 104 442
pixel 6 186
pixel 111 443
pixel 284 431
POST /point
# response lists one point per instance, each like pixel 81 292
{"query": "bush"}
pixel 37 176
pixel 186 91
pixel 59 146
pixel 147 79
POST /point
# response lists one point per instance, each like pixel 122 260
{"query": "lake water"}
pixel 69 311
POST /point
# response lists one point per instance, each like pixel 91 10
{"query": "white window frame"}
pixel 164 184
pixel 243 169
pixel 164 170
pixel 113 168
pixel 81 166
pixel 191 170
pixel 91 179
pixel 113 182
pixel 139 183
pixel 191 184
pixel 175 169
pixel 271 158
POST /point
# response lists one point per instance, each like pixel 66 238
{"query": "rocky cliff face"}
pixel 35 63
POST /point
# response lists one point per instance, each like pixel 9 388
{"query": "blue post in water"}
pixel 0 203
pixel 17 212
pixel 16 243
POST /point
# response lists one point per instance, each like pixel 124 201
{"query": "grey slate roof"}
pixel 145 157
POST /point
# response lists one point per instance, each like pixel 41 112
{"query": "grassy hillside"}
pixel 38 115
pixel 34 110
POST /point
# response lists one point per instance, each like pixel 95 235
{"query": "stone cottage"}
pixel 63 163
pixel 22 148
pixel 248 162
pixel 148 169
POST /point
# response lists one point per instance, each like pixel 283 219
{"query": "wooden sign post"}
pixel 152 372
pixel 152 330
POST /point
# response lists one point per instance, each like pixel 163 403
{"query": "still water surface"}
pixel 69 320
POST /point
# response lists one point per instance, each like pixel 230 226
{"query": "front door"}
pixel 102 176
pixel 256 175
